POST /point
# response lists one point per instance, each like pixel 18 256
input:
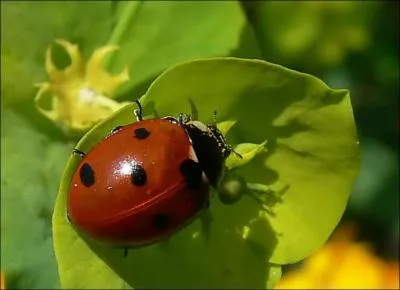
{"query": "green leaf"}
pixel 30 170
pixel 313 33
pixel 316 161
pixel 26 35
pixel 312 143
pixel 155 35
pixel 247 152
pixel 275 274
pixel 225 126
pixel 191 258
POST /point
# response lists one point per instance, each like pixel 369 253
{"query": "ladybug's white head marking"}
pixel 199 125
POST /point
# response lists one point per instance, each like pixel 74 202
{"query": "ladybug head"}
pixel 215 133
pixel 209 145
pixel 211 130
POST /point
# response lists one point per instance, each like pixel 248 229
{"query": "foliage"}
pixel 145 46
pixel 293 112
pixel 280 119
pixel 327 30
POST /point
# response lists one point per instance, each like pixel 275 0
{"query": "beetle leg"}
pixel 183 118
pixel 125 252
pixel 138 112
pixel 78 152
pixel 164 244
pixel 206 220
pixel 116 129
pixel 207 204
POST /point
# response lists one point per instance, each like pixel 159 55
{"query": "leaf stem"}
pixel 130 9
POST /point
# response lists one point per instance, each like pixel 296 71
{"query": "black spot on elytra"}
pixel 142 133
pixel 161 221
pixel 192 172
pixel 86 174
pixel 138 175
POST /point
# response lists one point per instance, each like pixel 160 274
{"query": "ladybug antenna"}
pixel 236 153
pixel 227 148
pixel 138 112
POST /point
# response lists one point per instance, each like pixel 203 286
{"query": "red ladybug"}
pixel 146 180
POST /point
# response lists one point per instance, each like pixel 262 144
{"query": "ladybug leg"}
pixel 116 129
pixel 164 244
pixel 183 118
pixel 78 152
pixel 138 112
pixel 125 252
pixel 206 220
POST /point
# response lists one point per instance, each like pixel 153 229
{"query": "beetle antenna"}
pixel 138 112
pixel 230 149
pixel 237 154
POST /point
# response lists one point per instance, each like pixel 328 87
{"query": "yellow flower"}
pixel 80 94
pixel 343 264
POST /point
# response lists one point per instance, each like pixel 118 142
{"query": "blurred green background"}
pixel 348 44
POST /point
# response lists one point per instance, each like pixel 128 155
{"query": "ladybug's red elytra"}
pixel 146 180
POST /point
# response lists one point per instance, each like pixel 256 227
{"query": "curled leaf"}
pixel 225 126
pixel 247 152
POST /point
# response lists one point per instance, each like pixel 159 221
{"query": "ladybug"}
pixel 146 180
